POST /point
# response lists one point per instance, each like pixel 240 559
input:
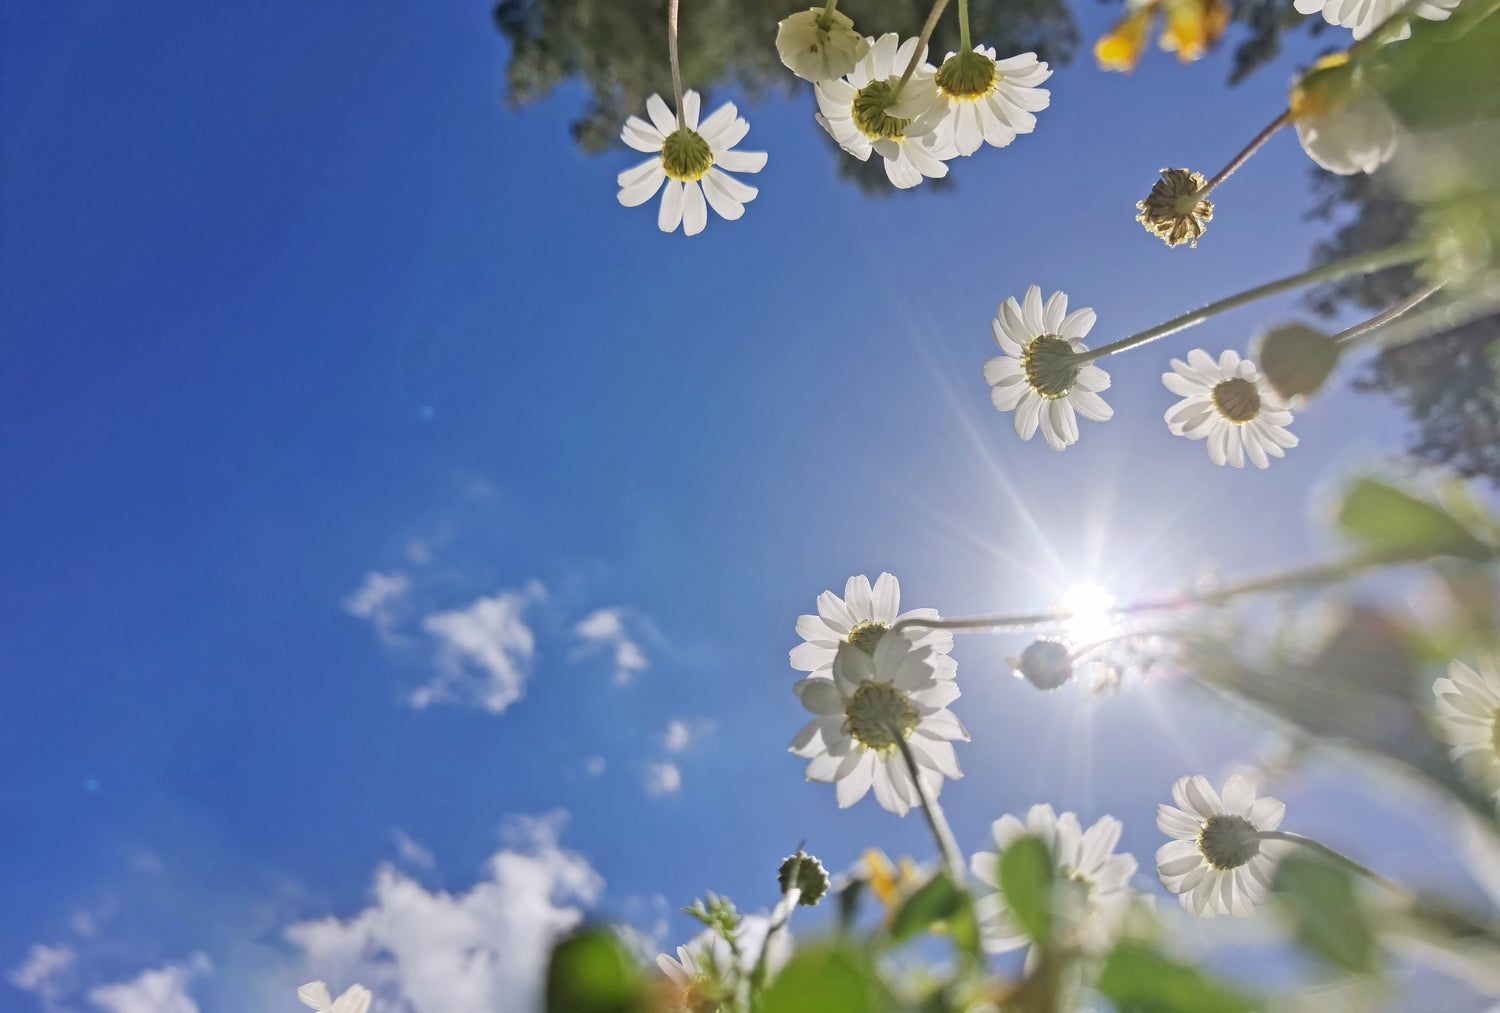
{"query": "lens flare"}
pixel 1089 620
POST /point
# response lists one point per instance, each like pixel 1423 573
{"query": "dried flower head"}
pixel 1173 211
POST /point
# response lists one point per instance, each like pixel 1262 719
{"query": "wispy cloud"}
pixel 683 732
pixel 412 852
pixel 378 599
pixel 159 990
pixel 605 628
pixel 594 766
pixel 44 973
pixel 662 778
pixel 484 652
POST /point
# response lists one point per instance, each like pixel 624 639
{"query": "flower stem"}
pixel 964 46
pixel 780 915
pixel 1379 320
pixel 826 18
pixel 921 50
pixel 1338 857
pixel 672 52
pixel 1401 253
pixel 1237 161
pixel 934 813
pixel 1462 310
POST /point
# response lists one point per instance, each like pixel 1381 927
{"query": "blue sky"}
pixel 292 299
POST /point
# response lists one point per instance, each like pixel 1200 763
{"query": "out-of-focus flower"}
pixel 1342 125
pixel 1039 377
pixel 988 101
pixel 1231 405
pixel 702 973
pixel 1093 883
pixel 872 704
pixel 1170 211
pixel 861 618
pixel 864 113
pixel 819 45
pixel 356 998
pixel 1363 16
pixel 1468 709
pixel 1192 28
pixel 1216 864
pixel 693 161
pixel 1046 664
pixel 892 883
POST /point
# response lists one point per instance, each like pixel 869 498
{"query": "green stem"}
pixel 779 917
pixel 921 50
pixel 672 53
pixel 1234 163
pixel 964 46
pixel 826 18
pixel 947 844
pixel 1379 320
pixel 1337 857
pixel 1460 311
pixel 1363 263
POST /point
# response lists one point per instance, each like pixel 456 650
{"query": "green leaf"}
pixel 1138 979
pixel 1026 883
pixel 827 979
pixel 1396 523
pixel 936 900
pixel 1320 899
pixel 1296 359
pixel 591 972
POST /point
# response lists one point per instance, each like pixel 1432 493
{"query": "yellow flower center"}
pixel 870 104
pixel 1050 365
pixel 967 75
pixel 1227 842
pixel 1238 400
pixel 866 635
pixel 876 712
pixel 685 155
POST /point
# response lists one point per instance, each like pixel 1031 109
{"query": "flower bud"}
pixel 805 872
pixel 1046 664
pixel 1296 359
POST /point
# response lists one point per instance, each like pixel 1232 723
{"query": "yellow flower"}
pixel 1192 27
pixel 890 883
pixel 1121 49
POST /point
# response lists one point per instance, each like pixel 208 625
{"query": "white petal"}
pixel 315 994
pixel 671 206
pixel 694 209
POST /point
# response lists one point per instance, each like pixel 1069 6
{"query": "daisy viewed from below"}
pixel 988 101
pixel 1229 404
pixel 1216 865
pixel 1362 16
pixel 1039 376
pixel 356 998
pixel 1094 891
pixel 819 44
pixel 1468 708
pixel 858 111
pixel 702 972
pixel 861 618
pixel 692 160
pixel 873 702
pixel 1342 124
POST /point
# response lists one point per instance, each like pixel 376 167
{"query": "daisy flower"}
pixel 1231 405
pixel 693 160
pixel 1363 16
pixel 1216 865
pixel 1341 124
pixel 1468 707
pixel 856 111
pixel 702 972
pixel 1089 873
pixel 861 618
pixel 356 998
pixel 1038 377
pixel 987 101
pixel 871 699
pixel 819 45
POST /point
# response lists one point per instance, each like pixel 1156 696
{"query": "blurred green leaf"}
pixel 1296 359
pixel 1138 979
pixel 592 972
pixel 1326 913
pixel 936 900
pixel 827 979
pixel 1026 883
pixel 1394 522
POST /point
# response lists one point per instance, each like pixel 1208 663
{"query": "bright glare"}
pixel 1088 605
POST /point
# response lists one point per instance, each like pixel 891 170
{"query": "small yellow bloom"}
pixel 1192 28
pixel 891 884
pixel 1121 49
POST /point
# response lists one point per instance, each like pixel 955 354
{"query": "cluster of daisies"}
pixel 875 95
pixel 1046 377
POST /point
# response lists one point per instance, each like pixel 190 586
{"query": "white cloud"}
pixel 594 766
pixel 662 778
pixel 159 990
pixel 41 970
pixel 484 652
pixel 682 733
pixel 411 851
pixel 485 949
pixel 606 628
pixel 377 600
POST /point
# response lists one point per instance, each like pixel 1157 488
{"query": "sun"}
pixel 1090 618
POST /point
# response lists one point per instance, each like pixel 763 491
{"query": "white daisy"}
pixel 869 701
pixel 1468 707
pixel 861 617
pixel 1037 376
pixel 1093 881
pixel 1216 865
pixel 986 101
pixel 1231 405
pixel 854 110
pixel 1359 136
pixel 703 970
pixel 356 998
pixel 1363 16
pixel 693 160
pixel 819 45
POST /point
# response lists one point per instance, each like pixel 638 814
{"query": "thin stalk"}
pixel 1338 857
pixel 964 45
pixel 826 18
pixel 1401 253
pixel 780 915
pixel 917 54
pixel 672 52
pixel 947 844
pixel 1238 160
pixel 1456 313
pixel 1381 319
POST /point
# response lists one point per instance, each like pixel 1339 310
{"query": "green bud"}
pixel 1046 664
pixel 806 873
pixel 1296 359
